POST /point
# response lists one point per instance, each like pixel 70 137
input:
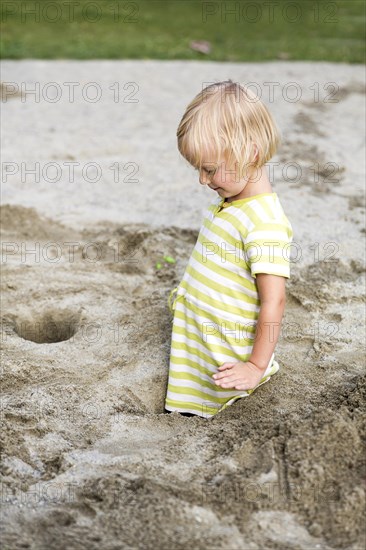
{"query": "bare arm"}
pixel 272 294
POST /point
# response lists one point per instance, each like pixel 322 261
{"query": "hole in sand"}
pixel 49 326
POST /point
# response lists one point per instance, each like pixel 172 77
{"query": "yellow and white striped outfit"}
pixel 217 304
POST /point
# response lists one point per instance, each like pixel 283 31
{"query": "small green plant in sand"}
pixel 167 260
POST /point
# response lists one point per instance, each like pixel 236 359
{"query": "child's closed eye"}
pixel 209 172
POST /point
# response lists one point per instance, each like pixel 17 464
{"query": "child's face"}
pixel 221 178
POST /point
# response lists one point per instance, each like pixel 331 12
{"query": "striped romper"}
pixel 217 304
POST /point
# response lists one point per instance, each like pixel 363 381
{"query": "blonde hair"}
pixel 227 119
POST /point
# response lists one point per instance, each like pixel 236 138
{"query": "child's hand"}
pixel 240 375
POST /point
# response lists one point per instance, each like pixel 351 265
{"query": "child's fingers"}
pixel 226 366
pixel 222 368
pixel 228 382
pixel 225 376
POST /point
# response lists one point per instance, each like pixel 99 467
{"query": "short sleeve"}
pixel 267 248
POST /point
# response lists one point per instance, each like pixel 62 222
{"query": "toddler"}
pixel 228 307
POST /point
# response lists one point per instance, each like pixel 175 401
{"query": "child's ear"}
pixel 256 152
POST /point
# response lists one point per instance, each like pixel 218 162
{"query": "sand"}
pixel 89 458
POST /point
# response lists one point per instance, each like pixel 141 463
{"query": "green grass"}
pixel 164 29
